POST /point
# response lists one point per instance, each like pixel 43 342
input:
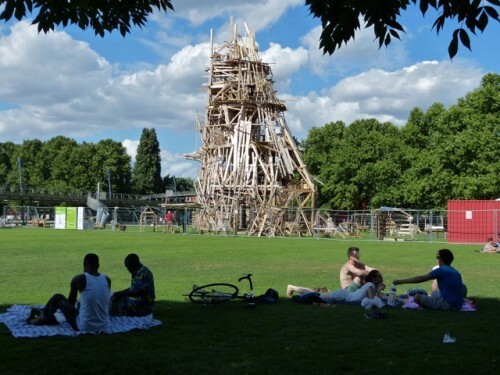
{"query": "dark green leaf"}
pixel 491 12
pixel 464 38
pixel 20 11
pixel 394 33
pixel 395 25
pixel 482 21
pixel 453 47
pixel 7 12
pixel 424 4
pixel 439 23
pixel 494 2
pixel 387 39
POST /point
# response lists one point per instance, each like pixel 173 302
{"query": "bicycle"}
pixel 221 292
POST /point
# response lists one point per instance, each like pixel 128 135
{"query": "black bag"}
pixel 271 296
pixel 308 298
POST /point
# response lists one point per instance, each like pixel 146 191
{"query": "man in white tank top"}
pixel 93 313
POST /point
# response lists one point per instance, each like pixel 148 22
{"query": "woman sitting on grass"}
pixel 368 295
pixel 489 247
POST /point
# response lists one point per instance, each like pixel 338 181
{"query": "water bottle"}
pixel 392 296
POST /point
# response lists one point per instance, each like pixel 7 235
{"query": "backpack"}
pixel 270 296
pixel 308 298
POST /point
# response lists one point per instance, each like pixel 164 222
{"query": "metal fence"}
pixel 384 224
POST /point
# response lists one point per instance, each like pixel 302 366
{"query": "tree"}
pixel 146 178
pixel 340 19
pixel 440 154
pixel 358 165
pixel 180 183
pixel 470 150
pixel 8 152
pixel 57 156
pixel 101 16
pixel 320 154
pixel 112 156
pixel 32 173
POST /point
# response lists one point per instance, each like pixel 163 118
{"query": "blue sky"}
pixel 72 83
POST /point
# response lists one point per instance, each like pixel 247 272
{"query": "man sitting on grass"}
pixel 451 291
pixel 92 315
pixel 139 299
pixel 352 275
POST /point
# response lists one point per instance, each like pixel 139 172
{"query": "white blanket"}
pixel 15 320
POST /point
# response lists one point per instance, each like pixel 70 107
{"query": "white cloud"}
pixel 71 90
pixel 359 54
pixel 35 68
pixel 257 13
pixel 384 95
pixel 177 165
pixel 284 62
pixel 53 84
pixel 131 146
pixel 171 164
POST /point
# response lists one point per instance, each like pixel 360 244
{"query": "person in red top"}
pixel 169 219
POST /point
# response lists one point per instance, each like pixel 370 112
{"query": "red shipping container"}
pixel 473 221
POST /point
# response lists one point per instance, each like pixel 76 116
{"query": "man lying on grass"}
pixel 451 291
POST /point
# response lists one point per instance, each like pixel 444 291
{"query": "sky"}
pixel 72 83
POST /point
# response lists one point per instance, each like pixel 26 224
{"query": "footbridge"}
pixel 33 197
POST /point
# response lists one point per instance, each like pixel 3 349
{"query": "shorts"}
pixel 436 302
pixel 130 307
pixel 352 287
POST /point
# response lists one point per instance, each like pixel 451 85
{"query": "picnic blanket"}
pixel 15 320
pixel 409 303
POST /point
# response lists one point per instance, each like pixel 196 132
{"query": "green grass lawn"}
pixel 286 338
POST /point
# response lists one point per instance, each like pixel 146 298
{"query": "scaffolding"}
pixel 251 168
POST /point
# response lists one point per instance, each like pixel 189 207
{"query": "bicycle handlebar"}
pixel 248 276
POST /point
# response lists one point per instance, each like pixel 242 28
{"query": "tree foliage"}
pixel 440 154
pixel 99 15
pixel 146 177
pixel 178 183
pixel 61 164
pixel 340 19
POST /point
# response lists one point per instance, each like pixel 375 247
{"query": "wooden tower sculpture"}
pixel 252 176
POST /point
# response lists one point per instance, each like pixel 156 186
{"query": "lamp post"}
pixel 19 169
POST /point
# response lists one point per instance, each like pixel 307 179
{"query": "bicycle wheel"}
pixel 213 293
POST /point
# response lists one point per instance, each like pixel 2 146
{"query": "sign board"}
pixel 60 219
pixel 71 218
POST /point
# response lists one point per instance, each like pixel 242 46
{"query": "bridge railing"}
pixel 14 191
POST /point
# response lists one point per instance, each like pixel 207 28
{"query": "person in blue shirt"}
pixel 139 299
pixel 451 291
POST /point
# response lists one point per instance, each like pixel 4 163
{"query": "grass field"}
pixel 286 338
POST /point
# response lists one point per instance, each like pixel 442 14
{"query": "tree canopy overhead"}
pixel 99 15
pixel 340 19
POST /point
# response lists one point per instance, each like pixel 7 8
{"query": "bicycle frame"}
pixel 248 277
pixel 221 292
